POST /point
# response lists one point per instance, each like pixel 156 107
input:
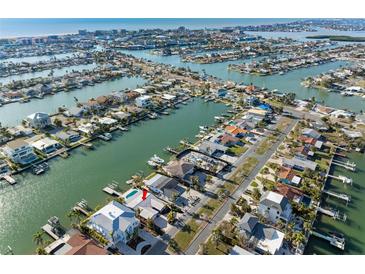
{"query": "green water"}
pixel 354 227
pixel 289 82
pixel 27 206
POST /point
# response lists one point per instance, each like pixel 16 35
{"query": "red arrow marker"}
pixel 144 196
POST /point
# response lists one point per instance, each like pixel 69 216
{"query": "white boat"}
pixel 106 136
pixel 203 127
pixel 157 159
pixel 123 128
pixel 39 169
pixel 218 118
pixel 152 115
pixel 152 163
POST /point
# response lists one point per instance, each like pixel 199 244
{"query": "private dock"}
pixel 335 214
pixel 341 178
pixel 82 207
pixel 110 189
pixel 341 196
pixel 332 239
pixel 9 179
pixel 171 150
pixel 49 230
pixel 347 165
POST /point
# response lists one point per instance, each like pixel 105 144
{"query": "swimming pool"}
pixel 134 191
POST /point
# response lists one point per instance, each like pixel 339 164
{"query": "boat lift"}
pixel 332 239
pixel 341 178
pixel 335 214
pixel 347 165
pixel 341 196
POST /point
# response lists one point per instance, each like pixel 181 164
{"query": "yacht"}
pixel 157 159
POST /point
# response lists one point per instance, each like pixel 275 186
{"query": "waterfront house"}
pixel 299 163
pixel 20 152
pixel 46 145
pixel 150 208
pixel 275 207
pixel 164 186
pixel 168 97
pixel 20 130
pixel 143 101
pixel 212 148
pixel 74 112
pixel 121 116
pixel 88 128
pixel 39 120
pixel 287 176
pixel 117 223
pixel 291 193
pixel 228 140
pixel 236 131
pixel 236 250
pixel 263 238
pixel 311 133
pixel 180 169
pixel 351 133
pixel 69 136
pixel 107 121
pixel 80 244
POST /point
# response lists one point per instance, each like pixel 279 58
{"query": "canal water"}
pixel 28 206
pixel 56 73
pixel 34 59
pixel 354 227
pixel 12 114
pixel 289 82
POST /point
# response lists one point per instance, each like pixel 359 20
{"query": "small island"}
pixel 338 38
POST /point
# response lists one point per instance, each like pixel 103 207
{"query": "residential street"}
pixel 206 231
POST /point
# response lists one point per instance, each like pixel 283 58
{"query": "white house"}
pixel 39 120
pixel 275 207
pixel 143 101
pixel 46 145
pixel 19 152
pixel 116 222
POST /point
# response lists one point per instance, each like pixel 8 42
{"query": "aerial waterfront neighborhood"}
pixel 176 141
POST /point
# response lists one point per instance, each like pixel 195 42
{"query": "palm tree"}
pixel 38 238
pixel 216 236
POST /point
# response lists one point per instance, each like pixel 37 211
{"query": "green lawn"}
pixel 265 145
pixel 283 123
pixel 210 207
pixel 237 150
pixel 186 235
pixel 221 249
pixel 245 169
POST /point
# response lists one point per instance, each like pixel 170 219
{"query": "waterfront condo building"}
pixel 39 120
pixel 116 222
pixel 20 152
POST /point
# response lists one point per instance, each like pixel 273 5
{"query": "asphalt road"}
pixel 207 230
